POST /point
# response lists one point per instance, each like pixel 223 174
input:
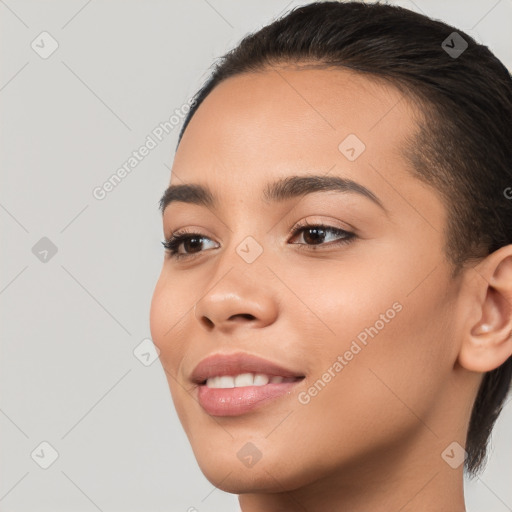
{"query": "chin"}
pixel 234 478
pixel 275 471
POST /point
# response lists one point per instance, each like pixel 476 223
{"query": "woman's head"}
pixel 362 119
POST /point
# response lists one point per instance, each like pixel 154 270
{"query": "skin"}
pixel 372 438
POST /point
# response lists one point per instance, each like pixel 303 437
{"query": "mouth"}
pixel 237 400
pixel 239 369
pixel 234 384
pixel 246 379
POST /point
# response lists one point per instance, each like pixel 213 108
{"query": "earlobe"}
pixel 487 341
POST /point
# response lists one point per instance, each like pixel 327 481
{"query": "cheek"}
pixel 387 392
pixel 395 347
pixel 168 315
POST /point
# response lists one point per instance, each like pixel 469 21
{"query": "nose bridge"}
pixel 246 241
pixel 239 288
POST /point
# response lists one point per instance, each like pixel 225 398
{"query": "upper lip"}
pixel 235 364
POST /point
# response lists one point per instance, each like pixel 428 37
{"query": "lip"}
pixel 241 400
pixel 238 401
pixel 236 363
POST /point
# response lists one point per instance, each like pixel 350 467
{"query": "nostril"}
pixel 209 324
pixel 248 316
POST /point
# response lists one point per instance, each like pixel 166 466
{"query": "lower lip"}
pixel 237 401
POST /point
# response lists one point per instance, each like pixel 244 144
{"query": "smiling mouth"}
pixel 236 395
pixel 246 379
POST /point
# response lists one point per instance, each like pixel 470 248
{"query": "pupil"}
pixel 192 242
pixel 317 237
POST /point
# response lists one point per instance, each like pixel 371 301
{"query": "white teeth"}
pixel 245 379
pixel 226 382
pixel 260 379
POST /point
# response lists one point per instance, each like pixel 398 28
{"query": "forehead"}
pixel 285 110
pixel 256 127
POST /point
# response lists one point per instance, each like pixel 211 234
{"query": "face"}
pixel 356 303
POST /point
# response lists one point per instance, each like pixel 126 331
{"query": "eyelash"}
pixel 172 244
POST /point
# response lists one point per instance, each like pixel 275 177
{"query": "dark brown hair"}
pixel 463 146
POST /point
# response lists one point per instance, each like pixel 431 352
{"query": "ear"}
pixel 487 335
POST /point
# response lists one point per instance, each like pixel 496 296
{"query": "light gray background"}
pixel 69 326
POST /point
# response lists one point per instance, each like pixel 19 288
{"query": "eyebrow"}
pixel 280 190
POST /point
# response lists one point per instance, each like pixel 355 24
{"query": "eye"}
pixel 315 234
pixel 192 242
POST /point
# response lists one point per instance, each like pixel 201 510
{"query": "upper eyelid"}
pixel 326 223
pixel 306 221
pixel 184 233
pixel 301 225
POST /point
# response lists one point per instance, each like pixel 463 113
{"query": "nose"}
pixel 237 299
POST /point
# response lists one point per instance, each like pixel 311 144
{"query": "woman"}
pixel 334 311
